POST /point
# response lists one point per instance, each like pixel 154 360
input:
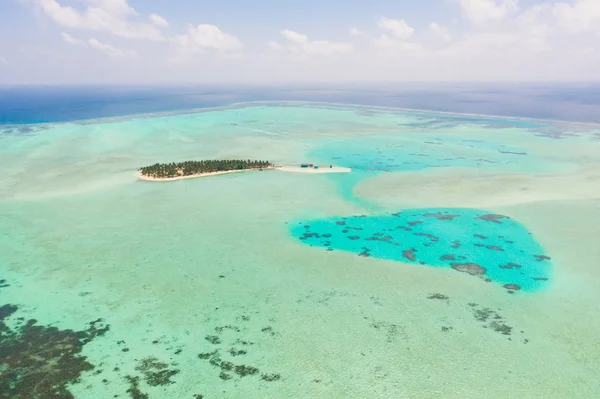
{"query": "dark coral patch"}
pixel 512 287
pixel 500 327
pixel 243 370
pixel 237 352
pixel 39 361
pixel 6 311
pixel 213 339
pixel 310 235
pixel 471 268
pixel 415 223
pixel 220 329
pixel 268 330
pixel 225 376
pixel 431 237
pixel 492 218
pixel 270 377
pixel 494 248
pixel 540 258
pixel 134 390
pixel 441 216
pixel 511 266
pixel 156 373
pixel 207 355
pixel 448 257
pixel 409 254
pixel 440 297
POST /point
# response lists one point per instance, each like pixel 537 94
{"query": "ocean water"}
pixel 577 102
pixel 214 287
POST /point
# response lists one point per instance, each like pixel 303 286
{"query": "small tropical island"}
pixel 192 169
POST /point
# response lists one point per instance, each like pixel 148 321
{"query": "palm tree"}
pixel 189 168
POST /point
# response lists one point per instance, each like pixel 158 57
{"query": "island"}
pixel 192 169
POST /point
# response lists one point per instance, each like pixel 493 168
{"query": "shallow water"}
pixel 206 288
pixel 490 246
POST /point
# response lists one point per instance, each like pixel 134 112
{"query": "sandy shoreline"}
pixel 291 169
pixel 149 178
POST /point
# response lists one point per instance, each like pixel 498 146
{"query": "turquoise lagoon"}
pixel 486 245
pixel 285 285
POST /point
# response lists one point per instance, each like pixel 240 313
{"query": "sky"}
pixel 262 41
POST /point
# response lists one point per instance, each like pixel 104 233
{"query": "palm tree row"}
pixel 188 168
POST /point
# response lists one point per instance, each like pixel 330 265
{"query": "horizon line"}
pixel 162 114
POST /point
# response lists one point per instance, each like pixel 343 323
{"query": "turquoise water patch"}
pixel 369 157
pixel 393 154
pixel 442 120
pixel 490 246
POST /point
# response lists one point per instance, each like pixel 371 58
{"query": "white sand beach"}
pixel 292 169
pixel 150 178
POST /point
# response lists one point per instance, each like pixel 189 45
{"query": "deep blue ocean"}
pixel 38 104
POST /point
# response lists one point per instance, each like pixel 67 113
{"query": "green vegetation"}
pixel 189 168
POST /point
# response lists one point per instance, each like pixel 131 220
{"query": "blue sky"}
pixel 174 41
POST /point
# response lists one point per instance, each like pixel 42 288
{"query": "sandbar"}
pixel 325 169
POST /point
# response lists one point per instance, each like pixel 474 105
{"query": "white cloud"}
pixel 580 16
pixel 97 45
pixel 208 37
pixel 494 40
pixel 275 46
pixel 301 48
pixel 158 20
pixel 110 50
pixel 326 48
pixel 114 16
pixel 439 32
pixel 482 11
pixel 396 36
pixel 71 40
pixel 293 36
pixel 356 32
pixel 384 41
pixel 397 27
